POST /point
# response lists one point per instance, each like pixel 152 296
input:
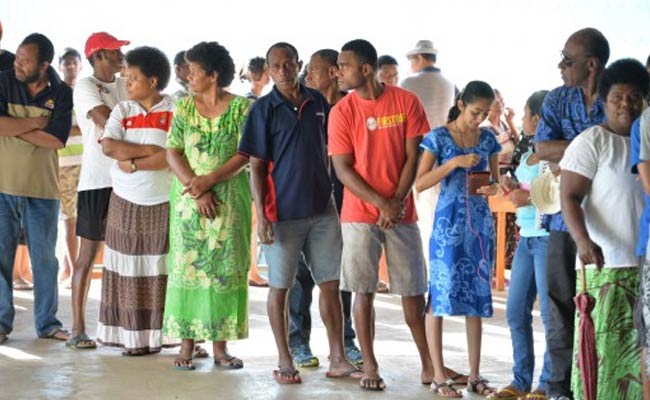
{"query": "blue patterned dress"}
pixel 461 249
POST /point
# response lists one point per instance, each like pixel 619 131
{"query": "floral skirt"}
pixel 618 352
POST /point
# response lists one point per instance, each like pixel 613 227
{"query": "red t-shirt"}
pixel 375 133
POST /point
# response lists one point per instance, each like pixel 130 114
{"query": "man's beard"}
pixel 35 77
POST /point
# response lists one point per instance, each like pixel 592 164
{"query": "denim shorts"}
pixel 362 247
pixel 317 237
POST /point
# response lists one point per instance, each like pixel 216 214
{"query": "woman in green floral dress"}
pixel 210 227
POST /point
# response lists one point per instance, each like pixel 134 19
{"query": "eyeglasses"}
pixel 568 62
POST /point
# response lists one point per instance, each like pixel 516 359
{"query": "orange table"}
pixel 501 206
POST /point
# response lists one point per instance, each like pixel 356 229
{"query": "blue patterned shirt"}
pixel 563 117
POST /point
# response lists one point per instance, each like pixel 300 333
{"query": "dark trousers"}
pixel 561 275
pixel 300 297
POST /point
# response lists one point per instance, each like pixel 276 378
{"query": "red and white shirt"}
pixel 130 122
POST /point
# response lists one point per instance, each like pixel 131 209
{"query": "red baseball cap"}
pixel 103 41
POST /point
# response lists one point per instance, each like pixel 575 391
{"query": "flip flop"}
pixel 352 373
pixel 287 376
pixel 21 284
pixel 507 393
pixel 56 335
pixel 460 379
pixel 184 364
pixel 81 342
pixel 537 394
pixel 200 352
pixel 372 384
pixel 230 363
pixel 137 353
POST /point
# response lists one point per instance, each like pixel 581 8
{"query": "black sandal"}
pixel 436 388
pixel 482 384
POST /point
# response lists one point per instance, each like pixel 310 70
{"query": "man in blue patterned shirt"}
pixel 567 111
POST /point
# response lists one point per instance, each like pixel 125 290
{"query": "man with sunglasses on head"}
pixel 94 98
pixel 567 111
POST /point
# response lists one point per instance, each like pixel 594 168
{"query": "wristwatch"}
pixel 133 166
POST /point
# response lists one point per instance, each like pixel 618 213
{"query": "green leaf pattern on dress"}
pixel 207 292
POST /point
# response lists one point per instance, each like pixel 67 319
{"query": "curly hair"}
pixel 213 57
pixel 152 62
pixel 624 71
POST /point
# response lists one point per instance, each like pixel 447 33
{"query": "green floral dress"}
pixel 207 288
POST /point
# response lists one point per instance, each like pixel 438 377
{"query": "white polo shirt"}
pixel 131 123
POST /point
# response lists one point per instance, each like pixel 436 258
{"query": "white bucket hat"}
pixel 545 193
pixel 423 47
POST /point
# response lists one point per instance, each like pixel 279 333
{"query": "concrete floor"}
pixel 32 368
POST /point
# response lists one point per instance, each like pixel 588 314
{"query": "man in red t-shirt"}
pixel 374 133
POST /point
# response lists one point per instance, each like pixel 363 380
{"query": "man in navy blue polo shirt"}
pixel 285 136
pixel 35 121
pixel 567 111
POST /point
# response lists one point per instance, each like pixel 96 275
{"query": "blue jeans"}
pixel 39 218
pixel 300 298
pixel 528 278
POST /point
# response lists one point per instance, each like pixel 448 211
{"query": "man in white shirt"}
pixel 437 96
pixel 94 98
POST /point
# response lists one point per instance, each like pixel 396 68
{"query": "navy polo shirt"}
pixel 293 140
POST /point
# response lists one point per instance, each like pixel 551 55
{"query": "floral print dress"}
pixel 207 289
pixel 461 249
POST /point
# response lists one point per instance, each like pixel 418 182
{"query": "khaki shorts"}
pixel 68 181
pixel 362 247
pixel 318 238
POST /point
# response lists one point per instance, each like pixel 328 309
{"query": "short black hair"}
pixel 595 44
pixel 213 57
pixel 535 102
pixel 386 60
pixel 364 50
pixel 45 46
pixel 286 46
pixel 69 52
pixel 256 67
pixel 474 91
pixel 624 71
pixel 647 62
pixel 331 57
pixel 152 62
pixel 179 58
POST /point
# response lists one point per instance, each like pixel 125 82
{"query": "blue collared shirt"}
pixel 293 140
pixel 563 117
pixel 635 159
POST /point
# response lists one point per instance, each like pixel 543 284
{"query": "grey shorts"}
pixel 362 246
pixel 317 237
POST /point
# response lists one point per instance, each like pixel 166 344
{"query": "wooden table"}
pixel 501 206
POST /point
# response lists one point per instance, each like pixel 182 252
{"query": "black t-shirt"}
pixel 6 60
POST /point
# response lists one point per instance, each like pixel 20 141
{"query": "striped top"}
pixel 130 122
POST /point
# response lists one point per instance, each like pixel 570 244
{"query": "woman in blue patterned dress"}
pixel 462 241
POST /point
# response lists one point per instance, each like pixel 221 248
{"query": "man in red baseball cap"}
pixel 103 41
pixel 94 98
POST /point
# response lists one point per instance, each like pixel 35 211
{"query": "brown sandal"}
pixel 452 392
pixel 480 387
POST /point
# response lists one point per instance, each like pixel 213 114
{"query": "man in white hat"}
pixel 437 96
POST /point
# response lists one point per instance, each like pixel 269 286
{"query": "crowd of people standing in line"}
pixel 336 171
